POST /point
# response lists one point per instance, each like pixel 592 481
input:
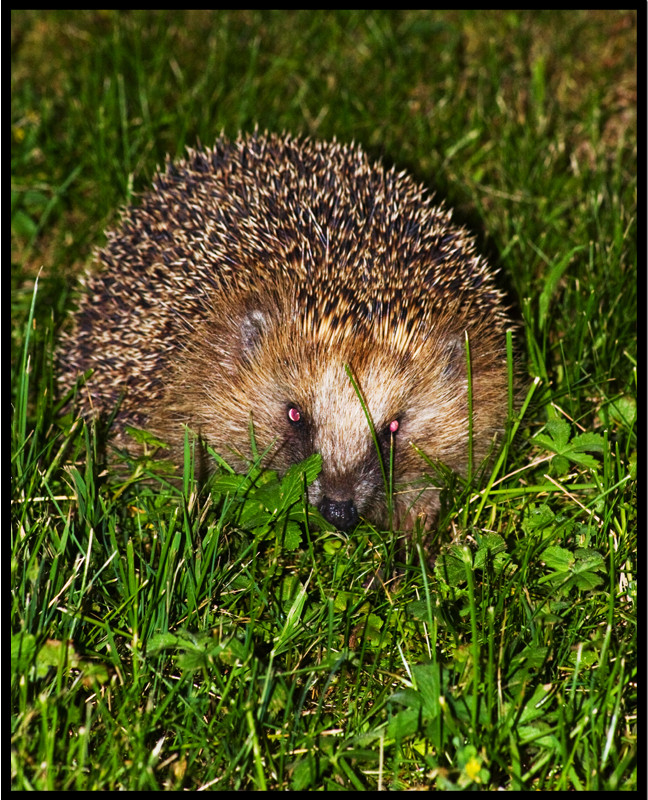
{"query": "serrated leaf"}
pixel 253 514
pixel 587 563
pixel 586 558
pixel 269 497
pixel 557 558
pixel 230 484
pixel 418 609
pixel 292 485
pixel 559 465
pixel 622 411
pixel 373 626
pixel 590 442
pixel 531 658
pixel 559 430
pixel 491 546
pixel 586 580
pixel 579 458
pixel 312 466
pixel 575 450
pixel 538 517
pixel 197 651
pixel 450 567
pixel 545 442
pixel 492 542
pixel 292 536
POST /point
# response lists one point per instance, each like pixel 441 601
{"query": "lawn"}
pixel 180 636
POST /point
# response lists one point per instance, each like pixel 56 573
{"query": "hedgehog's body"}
pixel 245 282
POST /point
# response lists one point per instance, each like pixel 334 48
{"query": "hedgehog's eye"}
pixel 294 416
pixel 390 429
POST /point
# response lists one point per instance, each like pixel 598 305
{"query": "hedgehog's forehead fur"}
pixel 315 227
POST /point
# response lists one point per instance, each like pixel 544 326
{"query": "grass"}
pixel 166 637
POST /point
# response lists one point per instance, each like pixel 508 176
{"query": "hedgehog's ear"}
pixel 253 328
pixel 454 356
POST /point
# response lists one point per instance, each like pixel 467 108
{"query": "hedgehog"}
pixel 294 288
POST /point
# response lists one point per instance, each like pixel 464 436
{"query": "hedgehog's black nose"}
pixel 341 513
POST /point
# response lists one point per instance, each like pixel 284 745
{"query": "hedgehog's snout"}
pixel 341 513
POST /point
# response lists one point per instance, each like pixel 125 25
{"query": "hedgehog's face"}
pixel 302 401
pixel 328 418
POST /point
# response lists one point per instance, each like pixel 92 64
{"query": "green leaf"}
pixel 535 706
pixel 557 558
pixel 292 536
pixel 588 563
pixel 144 437
pixel 450 567
pixel 575 450
pixel 230 484
pixel 559 430
pixel 537 518
pixel 406 722
pixel 586 558
pixel 589 442
pixel 23 225
pixel 426 677
pixel 198 651
pixel 559 465
pixel 576 569
pixel 622 411
pixel 492 549
pixel 539 735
